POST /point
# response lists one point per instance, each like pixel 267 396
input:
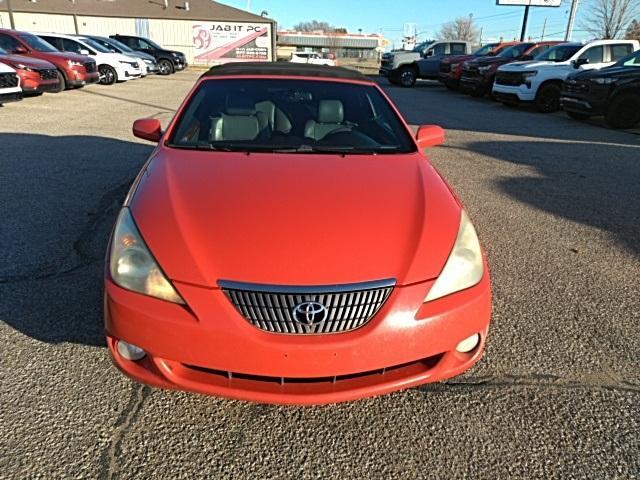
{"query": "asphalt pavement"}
pixel 557 206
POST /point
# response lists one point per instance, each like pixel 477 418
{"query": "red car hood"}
pixel 31 62
pixel 295 219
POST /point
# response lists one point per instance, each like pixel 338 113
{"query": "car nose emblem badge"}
pixel 310 313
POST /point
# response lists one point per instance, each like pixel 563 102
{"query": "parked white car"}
pixel 313 58
pixel 539 81
pixel 113 67
pixel 10 90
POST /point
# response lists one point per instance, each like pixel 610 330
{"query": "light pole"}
pixel 11 20
pixel 572 20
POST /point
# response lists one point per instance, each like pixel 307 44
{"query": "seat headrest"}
pixel 330 111
pixel 239 105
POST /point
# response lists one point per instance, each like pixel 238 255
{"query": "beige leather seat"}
pixel 239 121
pixel 330 120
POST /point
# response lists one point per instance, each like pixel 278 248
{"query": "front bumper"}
pixel 180 65
pixel 511 94
pixel 80 79
pixel 210 348
pixel 8 97
pixel 592 101
pixel 478 84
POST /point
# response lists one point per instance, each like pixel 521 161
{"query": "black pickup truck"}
pixel 613 92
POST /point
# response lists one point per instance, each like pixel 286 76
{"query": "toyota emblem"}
pixel 310 313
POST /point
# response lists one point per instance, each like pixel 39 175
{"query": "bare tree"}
pixel 313 26
pixel 610 18
pixel 633 32
pixel 462 28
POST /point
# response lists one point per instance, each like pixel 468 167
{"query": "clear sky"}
pixel 388 17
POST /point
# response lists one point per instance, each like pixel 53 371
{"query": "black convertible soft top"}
pixel 285 69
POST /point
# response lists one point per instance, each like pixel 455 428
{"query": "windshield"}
pixel 265 115
pixel 486 50
pixel 119 45
pixel 632 60
pixel 96 45
pixel 516 51
pixel 421 46
pixel 37 43
pixel 3 52
pixel 560 53
pixel 153 44
pixel 103 43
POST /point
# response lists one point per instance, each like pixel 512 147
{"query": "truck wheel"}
pixel 623 111
pixel 548 98
pixel 108 75
pixel 407 77
pixel 62 84
pixel 581 117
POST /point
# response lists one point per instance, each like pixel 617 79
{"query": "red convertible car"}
pixel 289 242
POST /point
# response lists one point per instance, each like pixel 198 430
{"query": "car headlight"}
pixel 465 266
pixel 604 81
pixel 73 63
pixel 454 66
pixel 22 66
pixel 532 73
pixel 133 267
pixel 485 69
pixel 149 62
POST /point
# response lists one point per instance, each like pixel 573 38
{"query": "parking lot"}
pixel 557 206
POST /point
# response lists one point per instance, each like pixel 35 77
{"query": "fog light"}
pixel 130 352
pixel 468 344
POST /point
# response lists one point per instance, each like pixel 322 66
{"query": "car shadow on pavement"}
pixel 60 197
pixel 595 184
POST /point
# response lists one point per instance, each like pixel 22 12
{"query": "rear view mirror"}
pixel 148 129
pixel 84 51
pixel 430 136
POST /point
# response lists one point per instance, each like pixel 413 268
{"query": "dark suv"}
pixel 612 91
pixel 169 61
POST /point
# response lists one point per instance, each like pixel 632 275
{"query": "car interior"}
pixel 263 115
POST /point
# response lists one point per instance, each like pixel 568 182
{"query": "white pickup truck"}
pixel 10 90
pixel 539 81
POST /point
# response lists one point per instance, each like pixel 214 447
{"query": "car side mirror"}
pixel 428 53
pixel 430 136
pixel 148 129
pixel 579 62
pixel 19 50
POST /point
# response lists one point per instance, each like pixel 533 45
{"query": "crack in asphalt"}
pixel 126 419
pixel 595 381
pixel 109 203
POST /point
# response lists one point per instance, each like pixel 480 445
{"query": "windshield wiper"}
pixel 341 150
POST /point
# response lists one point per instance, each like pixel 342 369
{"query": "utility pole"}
pixel 524 23
pixel 572 20
pixel 11 20
pixel 481 30
pixel 544 29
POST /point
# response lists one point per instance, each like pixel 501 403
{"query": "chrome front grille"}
pixel 571 86
pixel 308 310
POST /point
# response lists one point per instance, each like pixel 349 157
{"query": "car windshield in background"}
pixel 561 53
pixel 119 45
pixel 632 60
pixel 516 51
pixel 421 47
pixel 486 50
pixel 37 43
pixel 266 115
pixel 96 45
pixel 3 52
pixel 154 44
pixel 104 44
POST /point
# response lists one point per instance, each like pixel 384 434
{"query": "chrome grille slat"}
pixel 270 308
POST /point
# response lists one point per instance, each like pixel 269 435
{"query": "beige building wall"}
pixel 39 22
pixel 105 26
pixel 173 35
pixel 4 20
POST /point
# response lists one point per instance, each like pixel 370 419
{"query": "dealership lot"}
pixel 556 203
